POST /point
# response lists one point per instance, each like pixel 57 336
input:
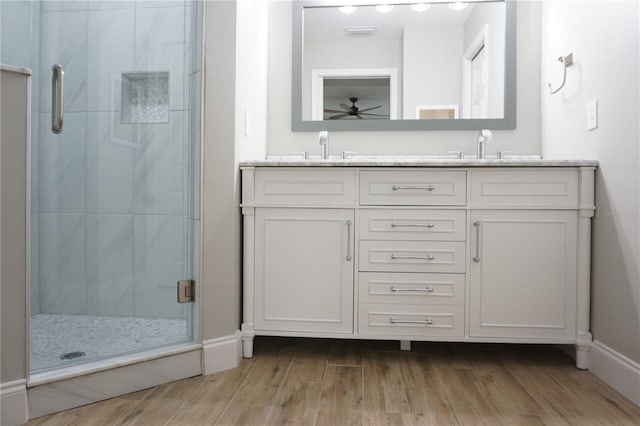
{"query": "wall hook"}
pixel 567 61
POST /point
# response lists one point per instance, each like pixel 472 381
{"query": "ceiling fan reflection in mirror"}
pixel 353 111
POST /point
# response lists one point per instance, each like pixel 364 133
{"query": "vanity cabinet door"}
pixel 523 274
pixel 304 270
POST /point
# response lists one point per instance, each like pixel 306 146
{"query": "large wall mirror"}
pixel 403 66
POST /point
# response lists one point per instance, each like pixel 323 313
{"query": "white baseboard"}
pixel 14 405
pixel 618 371
pixel 221 354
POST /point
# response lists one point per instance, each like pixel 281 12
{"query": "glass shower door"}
pixel 112 212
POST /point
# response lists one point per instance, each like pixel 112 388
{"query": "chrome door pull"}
pixel 57 99
pixel 419 187
pixel 412 225
pixel 400 257
pixel 396 289
pixel 348 240
pixel 427 321
pixel 477 256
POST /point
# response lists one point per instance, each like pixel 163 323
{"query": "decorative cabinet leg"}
pixel 405 345
pixel 582 356
pixel 247 340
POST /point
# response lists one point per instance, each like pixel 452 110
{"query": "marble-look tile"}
pixel 160 251
pixel 109 264
pixel 160 44
pixel 194 142
pixel 111 150
pixel 160 303
pixel 61 165
pixel 111 44
pixel 197 36
pixel 15 25
pixel 65 43
pixel 187 62
pixel 111 4
pixel 35 58
pixel 159 3
pixel 34 150
pixel 62 263
pixel 159 167
pixel 196 262
pixel 64 5
pixel 63 395
pixel 34 270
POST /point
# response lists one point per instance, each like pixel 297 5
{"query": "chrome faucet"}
pixel 484 139
pixel 324 144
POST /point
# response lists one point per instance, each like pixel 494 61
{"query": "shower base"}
pixel 55 336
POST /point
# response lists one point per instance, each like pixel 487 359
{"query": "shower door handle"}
pixel 57 99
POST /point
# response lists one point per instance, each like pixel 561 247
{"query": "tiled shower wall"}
pixel 111 201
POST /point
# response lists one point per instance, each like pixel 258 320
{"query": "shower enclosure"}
pixel 112 200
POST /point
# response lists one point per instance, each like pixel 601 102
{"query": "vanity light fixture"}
pixel 384 8
pixel 420 7
pixel 459 5
pixel 348 10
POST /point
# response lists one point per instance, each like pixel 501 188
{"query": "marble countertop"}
pixel 416 161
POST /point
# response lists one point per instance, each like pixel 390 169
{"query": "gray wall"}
pixel 221 193
pixel 605 41
pixel 14 115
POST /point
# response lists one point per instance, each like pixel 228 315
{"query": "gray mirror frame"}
pixel 299 125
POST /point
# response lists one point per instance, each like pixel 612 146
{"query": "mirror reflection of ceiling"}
pixel 328 23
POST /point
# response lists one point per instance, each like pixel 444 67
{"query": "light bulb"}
pixel 348 10
pixel 384 8
pixel 420 7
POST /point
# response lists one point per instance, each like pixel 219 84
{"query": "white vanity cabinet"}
pixel 471 251
pixel 304 270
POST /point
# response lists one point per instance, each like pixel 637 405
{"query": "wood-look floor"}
pixel 317 382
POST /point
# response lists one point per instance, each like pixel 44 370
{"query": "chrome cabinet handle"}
pixel 427 321
pixel 399 257
pixel 422 187
pixel 477 256
pixel 412 225
pixel 57 99
pixel 396 289
pixel 348 240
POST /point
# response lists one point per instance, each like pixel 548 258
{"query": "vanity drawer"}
pixel 412 256
pixel 547 188
pixel 411 288
pixel 413 188
pixel 304 187
pixel 411 320
pixel 431 225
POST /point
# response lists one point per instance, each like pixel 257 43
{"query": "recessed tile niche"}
pixel 145 97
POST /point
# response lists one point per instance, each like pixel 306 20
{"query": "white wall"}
pixel 604 39
pixel 424 83
pixel 282 141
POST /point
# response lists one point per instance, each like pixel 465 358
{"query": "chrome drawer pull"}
pixel 418 187
pixel 412 225
pixel 477 224
pixel 396 289
pixel 400 257
pixel 349 241
pixel 428 321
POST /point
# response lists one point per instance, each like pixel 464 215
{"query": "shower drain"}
pixel 72 355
